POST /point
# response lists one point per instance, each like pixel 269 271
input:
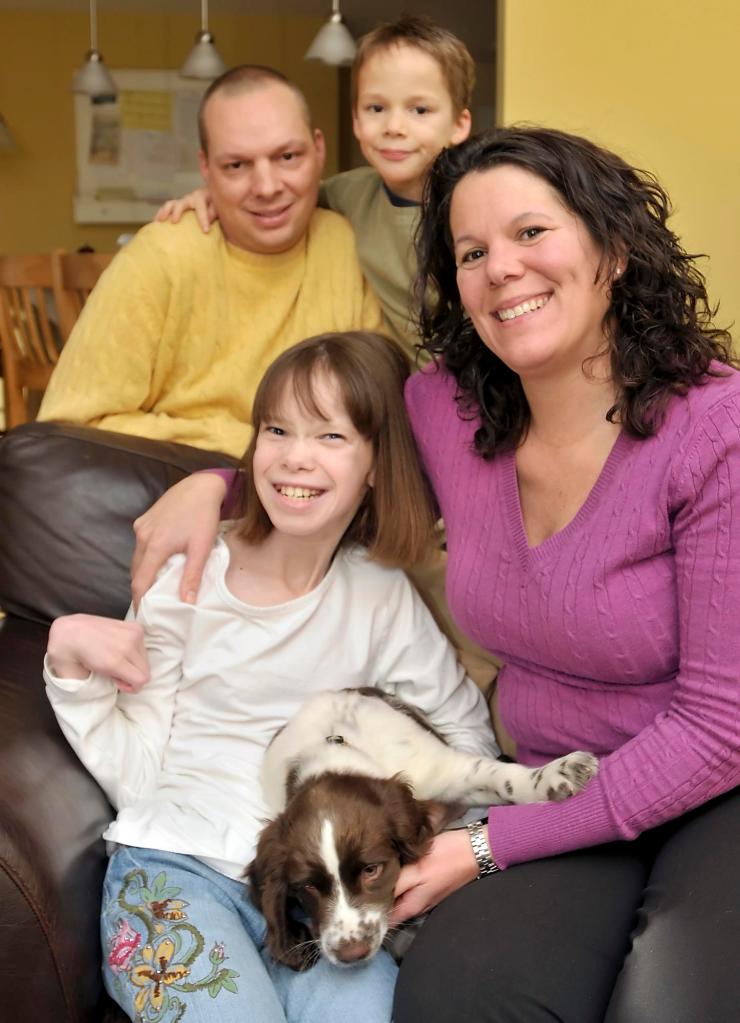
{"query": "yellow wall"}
pixel 41 51
pixel 659 82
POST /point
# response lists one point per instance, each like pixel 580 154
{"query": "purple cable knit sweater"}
pixel 621 633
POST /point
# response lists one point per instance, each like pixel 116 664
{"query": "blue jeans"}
pixel 181 941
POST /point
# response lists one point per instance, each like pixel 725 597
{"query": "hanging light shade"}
pixel 333 43
pixel 204 60
pixel 93 77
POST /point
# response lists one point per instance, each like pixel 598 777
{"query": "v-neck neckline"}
pixel 541 551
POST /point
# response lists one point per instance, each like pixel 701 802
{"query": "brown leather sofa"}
pixel 68 496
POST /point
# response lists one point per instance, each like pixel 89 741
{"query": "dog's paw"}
pixel 568 775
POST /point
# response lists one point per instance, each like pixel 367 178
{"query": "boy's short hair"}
pixel 395 521
pixel 247 78
pixel 452 55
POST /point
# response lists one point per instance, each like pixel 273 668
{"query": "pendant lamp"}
pixel 93 77
pixel 204 60
pixel 333 43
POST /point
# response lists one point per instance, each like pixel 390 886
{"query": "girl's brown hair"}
pixel 395 520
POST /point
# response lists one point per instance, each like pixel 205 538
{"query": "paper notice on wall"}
pixel 154 160
pixel 105 136
pixel 139 146
pixel 146 111
pixel 185 127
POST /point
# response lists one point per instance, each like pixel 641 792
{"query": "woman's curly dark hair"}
pixel 660 330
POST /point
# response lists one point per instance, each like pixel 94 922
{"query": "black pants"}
pixel 632 932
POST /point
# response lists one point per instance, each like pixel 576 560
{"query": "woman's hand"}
pixel 184 519
pixel 79 644
pixel 198 200
pixel 447 866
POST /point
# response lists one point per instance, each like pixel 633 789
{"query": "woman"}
pixel 582 436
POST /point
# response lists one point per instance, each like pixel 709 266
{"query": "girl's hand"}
pixel 448 865
pixel 184 519
pixel 79 644
pixel 198 200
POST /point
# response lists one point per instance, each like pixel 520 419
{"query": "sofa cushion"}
pixel 68 498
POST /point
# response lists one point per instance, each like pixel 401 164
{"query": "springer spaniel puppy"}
pixel 361 783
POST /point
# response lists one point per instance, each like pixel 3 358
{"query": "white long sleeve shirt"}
pixel 180 759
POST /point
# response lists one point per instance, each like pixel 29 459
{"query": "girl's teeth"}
pixel 519 310
pixel 299 492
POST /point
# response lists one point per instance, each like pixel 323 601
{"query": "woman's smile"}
pixel 515 308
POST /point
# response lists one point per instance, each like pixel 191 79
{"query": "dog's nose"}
pixel 353 951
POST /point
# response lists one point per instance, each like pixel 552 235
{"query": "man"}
pixel 176 335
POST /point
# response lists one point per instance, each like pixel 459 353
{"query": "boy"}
pixel 412 83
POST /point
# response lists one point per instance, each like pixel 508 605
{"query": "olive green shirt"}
pixel 385 244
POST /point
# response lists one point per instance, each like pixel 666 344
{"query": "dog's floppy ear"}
pixel 268 890
pixel 416 822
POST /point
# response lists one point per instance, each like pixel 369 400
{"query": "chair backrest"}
pixel 29 335
pixel 75 275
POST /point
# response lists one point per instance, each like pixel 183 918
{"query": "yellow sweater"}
pixel 180 328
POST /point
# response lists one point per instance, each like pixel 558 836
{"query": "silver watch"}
pixel 477 832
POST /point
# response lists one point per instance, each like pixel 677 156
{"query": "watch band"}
pixel 477 832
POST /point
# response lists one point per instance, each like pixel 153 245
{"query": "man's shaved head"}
pixel 247 78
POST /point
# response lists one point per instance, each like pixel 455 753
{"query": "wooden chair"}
pixel 29 338
pixel 75 275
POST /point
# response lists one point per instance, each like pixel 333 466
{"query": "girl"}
pixel 296 598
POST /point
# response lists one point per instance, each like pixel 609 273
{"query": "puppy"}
pixel 360 783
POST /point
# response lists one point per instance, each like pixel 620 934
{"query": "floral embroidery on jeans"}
pixel 164 964
pixel 123 944
pixel 155 974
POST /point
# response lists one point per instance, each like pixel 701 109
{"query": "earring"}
pixel 618 271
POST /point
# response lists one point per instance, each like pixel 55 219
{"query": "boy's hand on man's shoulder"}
pixel 198 200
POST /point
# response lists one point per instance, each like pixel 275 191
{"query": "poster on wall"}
pixel 136 149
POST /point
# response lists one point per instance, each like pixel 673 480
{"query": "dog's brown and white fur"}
pixel 360 784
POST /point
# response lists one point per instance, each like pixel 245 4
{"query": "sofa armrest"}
pixel 68 498
pixel 52 859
